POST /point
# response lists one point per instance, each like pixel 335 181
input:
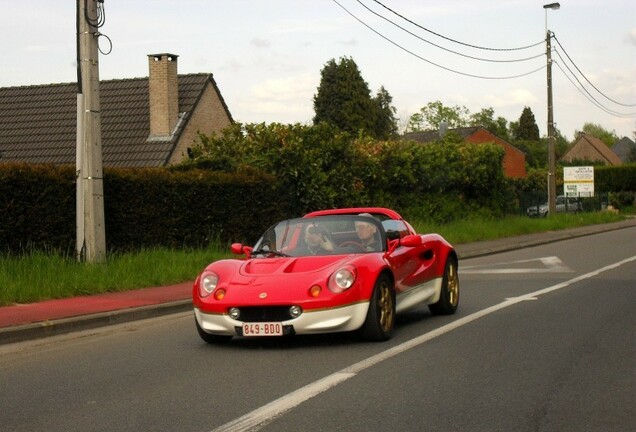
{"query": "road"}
pixel 544 340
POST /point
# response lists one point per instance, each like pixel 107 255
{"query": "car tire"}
pixel 449 295
pixel 378 325
pixel 211 338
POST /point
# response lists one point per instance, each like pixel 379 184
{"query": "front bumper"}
pixel 341 319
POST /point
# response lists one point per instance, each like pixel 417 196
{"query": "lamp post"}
pixel 551 156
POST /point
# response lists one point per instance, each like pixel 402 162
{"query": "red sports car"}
pixel 329 271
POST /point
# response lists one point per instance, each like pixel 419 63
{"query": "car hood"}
pixel 286 266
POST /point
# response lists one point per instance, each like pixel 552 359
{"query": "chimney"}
pixel 164 95
pixel 443 127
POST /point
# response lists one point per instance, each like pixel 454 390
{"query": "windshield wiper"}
pixel 267 251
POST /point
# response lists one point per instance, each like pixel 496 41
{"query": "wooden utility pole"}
pixel 91 238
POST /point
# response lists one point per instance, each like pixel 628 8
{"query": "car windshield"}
pixel 324 235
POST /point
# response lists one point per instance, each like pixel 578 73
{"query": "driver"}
pixel 366 232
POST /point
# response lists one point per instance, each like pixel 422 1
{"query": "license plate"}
pixel 263 329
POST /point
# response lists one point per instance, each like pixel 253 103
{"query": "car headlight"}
pixel 342 279
pixel 208 284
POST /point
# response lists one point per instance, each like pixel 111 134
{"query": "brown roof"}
pixel 38 123
pixel 602 151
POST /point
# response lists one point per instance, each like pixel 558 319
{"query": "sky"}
pixel 266 55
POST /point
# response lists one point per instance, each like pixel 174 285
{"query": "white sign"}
pixel 578 181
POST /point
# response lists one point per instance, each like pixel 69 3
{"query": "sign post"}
pixel 578 181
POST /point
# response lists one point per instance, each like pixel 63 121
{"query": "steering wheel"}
pixel 353 243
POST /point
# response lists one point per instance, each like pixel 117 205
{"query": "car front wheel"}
pixel 378 325
pixel 449 297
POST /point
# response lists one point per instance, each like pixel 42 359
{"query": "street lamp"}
pixel 551 133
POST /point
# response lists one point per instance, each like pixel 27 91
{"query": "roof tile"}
pixel 38 123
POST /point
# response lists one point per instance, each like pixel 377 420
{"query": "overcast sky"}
pixel 266 55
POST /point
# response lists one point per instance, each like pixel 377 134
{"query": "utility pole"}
pixel 91 238
pixel 551 156
pixel 551 132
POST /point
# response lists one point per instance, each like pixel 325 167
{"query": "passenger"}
pixel 367 233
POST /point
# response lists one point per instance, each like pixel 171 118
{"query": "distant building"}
pixel 589 148
pixel 514 161
pixel 146 122
pixel 625 149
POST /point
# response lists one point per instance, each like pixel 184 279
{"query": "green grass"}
pixel 471 230
pixel 40 276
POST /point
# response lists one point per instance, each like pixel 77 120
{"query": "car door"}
pixel 412 265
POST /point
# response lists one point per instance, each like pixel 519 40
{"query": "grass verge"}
pixel 40 276
pixel 472 230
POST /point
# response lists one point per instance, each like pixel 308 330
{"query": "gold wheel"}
pixel 449 295
pixel 385 307
pixel 453 285
pixel 380 319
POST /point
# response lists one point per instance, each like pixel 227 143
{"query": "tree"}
pixel 433 114
pixel 386 122
pixel 598 131
pixel 527 128
pixel 485 118
pixel 344 100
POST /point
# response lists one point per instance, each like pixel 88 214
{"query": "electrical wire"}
pixel 447 49
pixel 110 42
pixel 587 94
pixel 583 75
pixel 433 63
pixel 454 40
pixel 100 12
pixel 592 100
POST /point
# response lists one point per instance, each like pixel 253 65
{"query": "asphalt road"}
pixel 544 340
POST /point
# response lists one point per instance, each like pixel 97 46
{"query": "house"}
pixel 589 148
pixel 514 161
pixel 145 122
pixel 625 149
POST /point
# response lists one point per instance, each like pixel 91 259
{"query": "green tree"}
pixel 526 128
pixel 344 100
pixel 486 118
pixel 386 121
pixel 598 131
pixel 434 113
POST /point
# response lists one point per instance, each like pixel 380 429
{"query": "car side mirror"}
pixel 240 249
pixel 411 240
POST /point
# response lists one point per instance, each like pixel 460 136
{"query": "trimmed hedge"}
pixel 142 207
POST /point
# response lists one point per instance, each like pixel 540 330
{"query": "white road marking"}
pixel 549 264
pixel 260 417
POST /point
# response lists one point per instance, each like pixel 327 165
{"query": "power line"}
pixel 430 62
pixel 447 49
pixel 586 93
pixel 454 40
pixel 594 102
pixel 583 75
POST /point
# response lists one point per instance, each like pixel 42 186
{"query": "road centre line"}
pixel 260 417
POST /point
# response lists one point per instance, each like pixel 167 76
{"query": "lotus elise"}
pixel 330 271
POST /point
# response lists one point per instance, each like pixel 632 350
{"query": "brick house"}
pixel 589 148
pixel 514 161
pixel 145 122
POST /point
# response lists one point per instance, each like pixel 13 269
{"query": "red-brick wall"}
pixel 514 161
